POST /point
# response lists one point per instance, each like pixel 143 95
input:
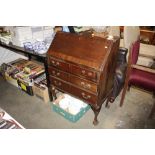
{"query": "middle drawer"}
pixel 60 84
pixel 88 85
pixel 83 72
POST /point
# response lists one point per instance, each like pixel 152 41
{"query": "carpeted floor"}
pixel 33 113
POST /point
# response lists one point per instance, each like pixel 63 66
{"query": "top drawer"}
pixel 58 64
pixel 88 74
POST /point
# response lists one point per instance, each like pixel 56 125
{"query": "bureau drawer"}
pixel 88 97
pixel 59 84
pixel 88 85
pixel 91 75
pixel 57 73
pixel 58 64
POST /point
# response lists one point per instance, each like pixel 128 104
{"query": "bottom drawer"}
pixel 88 97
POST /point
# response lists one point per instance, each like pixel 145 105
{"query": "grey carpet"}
pixel 33 113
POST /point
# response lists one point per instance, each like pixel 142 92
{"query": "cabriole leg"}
pixel 96 111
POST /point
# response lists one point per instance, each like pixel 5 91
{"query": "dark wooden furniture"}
pixel 83 66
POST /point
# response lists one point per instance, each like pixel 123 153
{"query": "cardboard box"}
pixel 21 33
pixel 9 74
pixel 25 86
pixel 48 33
pixel 11 80
pixel 42 93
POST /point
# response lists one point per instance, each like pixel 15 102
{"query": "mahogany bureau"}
pixel 83 66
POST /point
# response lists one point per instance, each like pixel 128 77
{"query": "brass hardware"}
pixel 53 88
pixel 53 72
pixel 90 74
pixel 55 63
pixel 83 71
pixel 82 83
pixel 58 74
pixel 88 86
pixel 85 96
pixel 57 83
pixel 85 85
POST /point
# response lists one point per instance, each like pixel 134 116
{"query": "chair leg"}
pixel 153 108
pixel 125 88
pixel 126 79
pixel 152 111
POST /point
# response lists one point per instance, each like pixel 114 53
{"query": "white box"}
pixel 48 33
pixel 39 36
pixel 21 33
pixel 37 29
pixel 37 33
pixel 48 27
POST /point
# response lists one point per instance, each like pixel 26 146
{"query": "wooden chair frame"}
pixel 129 67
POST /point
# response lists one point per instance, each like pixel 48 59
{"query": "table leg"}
pixel 29 56
pixel 48 80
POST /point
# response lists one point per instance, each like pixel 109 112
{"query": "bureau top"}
pixel 79 49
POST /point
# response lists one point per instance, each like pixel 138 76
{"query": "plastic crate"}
pixel 67 115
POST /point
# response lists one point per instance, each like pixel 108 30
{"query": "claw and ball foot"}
pixel 96 111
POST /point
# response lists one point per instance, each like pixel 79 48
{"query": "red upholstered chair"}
pixel 138 76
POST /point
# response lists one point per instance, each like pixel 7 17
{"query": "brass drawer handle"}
pixel 53 72
pixel 83 71
pixel 55 63
pixel 57 83
pixel 85 96
pixel 58 74
pixel 85 85
pixel 90 74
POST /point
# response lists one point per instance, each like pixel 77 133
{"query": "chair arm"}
pixel 146 69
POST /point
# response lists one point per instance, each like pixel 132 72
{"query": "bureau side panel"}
pixel 107 75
